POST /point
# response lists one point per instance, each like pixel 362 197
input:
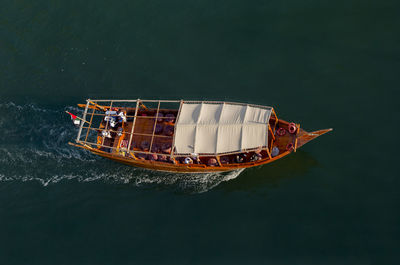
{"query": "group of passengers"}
pixel 165 126
pixel 211 161
pixel 159 152
pixel 114 118
pixel 162 153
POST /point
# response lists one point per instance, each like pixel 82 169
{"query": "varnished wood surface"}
pixel 163 166
pixel 145 125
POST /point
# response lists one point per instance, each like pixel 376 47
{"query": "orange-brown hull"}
pixel 303 137
pixel 133 143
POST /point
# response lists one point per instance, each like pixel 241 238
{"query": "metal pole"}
pixel 133 125
pixel 154 127
pixel 106 127
pixel 83 118
pixel 90 125
pixel 173 137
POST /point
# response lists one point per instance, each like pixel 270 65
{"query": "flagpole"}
pixel 77 117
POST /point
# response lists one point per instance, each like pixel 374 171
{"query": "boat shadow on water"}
pixel 270 175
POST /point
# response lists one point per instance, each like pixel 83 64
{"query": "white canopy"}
pixel 209 128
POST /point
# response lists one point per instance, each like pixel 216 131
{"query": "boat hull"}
pixel 283 139
pixel 303 138
pixel 179 168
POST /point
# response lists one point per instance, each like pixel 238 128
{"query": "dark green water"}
pixel 321 63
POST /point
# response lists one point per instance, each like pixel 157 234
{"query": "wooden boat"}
pixel 188 136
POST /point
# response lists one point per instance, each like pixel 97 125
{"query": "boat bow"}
pixel 305 137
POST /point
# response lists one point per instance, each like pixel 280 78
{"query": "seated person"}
pixel 188 160
pixel 240 158
pixel 255 157
pixel 224 160
pixel 212 162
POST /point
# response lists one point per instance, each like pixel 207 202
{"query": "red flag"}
pixel 72 116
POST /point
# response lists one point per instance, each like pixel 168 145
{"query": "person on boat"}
pixel 112 120
pixel 114 123
pixel 162 158
pixel 188 160
pixel 196 159
pixel 166 148
pixel 240 158
pixel 275 151
pixel 121 117
pixel 145 145
pixel 168 130
pixel 133 145
pixel 212 162
pixel 155 148
pixel 170 118
pixel 172 160
pixel 159 128
pixel 160 117
pixel 106 133
pixel 224 160
pixel 119 131
pixel 113 117
pixel 152 157
pixel 256 156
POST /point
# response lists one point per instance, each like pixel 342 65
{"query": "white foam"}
pixel 193 183
pixel 29 106
pixel 44 152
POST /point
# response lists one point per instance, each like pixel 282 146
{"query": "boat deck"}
pixel 144 137
pixel 152 140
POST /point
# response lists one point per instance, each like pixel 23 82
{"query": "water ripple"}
pixel 35 148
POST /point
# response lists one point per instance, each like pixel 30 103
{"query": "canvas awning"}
pixel 212 128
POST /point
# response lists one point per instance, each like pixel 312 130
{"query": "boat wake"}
pixel 34 147
pixel 187 183
pixel 192 183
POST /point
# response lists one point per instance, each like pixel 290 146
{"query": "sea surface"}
pixel 324 64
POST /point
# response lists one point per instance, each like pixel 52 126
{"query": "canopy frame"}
pixel 114 103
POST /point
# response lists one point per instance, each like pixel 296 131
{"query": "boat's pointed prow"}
pixel 320 132
pixel 308 136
